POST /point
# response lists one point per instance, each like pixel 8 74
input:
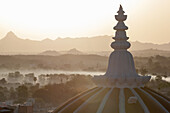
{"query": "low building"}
pixel 25 109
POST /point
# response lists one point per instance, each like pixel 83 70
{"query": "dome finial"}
pixel 120 10
pixel 120 7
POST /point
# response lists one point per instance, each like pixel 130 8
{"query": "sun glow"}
pixel 62 17
pixel 59 17
pixel 39 19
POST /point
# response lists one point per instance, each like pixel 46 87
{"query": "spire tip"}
pixel 120 8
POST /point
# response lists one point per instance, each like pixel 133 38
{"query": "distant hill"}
pixel 143 46
pixel 150 52
pixel 140 53
pixel 74 51
pixel 50 53
pixel 11 44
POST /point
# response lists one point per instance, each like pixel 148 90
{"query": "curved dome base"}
pixel 121 72
pixel 132 82
pixel 121 65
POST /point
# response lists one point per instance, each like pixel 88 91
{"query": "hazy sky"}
pixel 148 20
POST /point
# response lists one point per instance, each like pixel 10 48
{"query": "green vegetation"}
pixel 160 86
pixel 158 65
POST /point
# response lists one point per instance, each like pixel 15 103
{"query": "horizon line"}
pixel 80 38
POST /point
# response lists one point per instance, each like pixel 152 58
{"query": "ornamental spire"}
pixel 121 70
pixel 120 38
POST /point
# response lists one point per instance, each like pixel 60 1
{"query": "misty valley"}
pixel 21 69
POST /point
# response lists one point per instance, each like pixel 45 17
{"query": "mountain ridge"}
pixel 12 43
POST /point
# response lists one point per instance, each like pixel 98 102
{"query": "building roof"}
pixel 116 100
